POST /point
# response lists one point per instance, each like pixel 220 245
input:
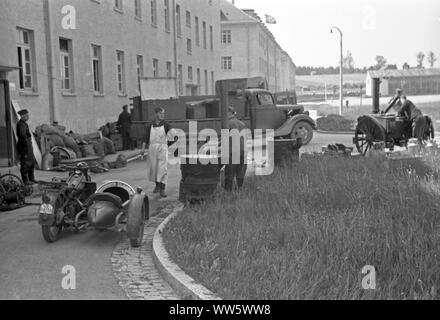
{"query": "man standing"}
pixel 415 116
pixel 235 170
pixel 156 138
pixel 124 125
pixel 25 149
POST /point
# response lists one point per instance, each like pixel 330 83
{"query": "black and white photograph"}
pixel 217 156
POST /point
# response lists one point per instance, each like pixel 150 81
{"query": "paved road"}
pixel 31 269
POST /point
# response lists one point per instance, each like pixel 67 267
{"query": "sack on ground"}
pixel 87 150
pixel 56 140
pixel 99 148
pixel 109 146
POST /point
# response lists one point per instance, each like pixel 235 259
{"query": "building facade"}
pixel 416 81
pixel 81 60
pixel 249 49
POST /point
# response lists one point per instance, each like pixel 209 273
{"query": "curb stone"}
pixel 171 272
pixel 135 270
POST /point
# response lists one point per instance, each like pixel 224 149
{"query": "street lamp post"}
pixel 341 94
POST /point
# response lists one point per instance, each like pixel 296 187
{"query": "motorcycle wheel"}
pixel 136 216
pixel 51 233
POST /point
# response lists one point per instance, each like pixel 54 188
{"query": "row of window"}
pixel 198 85
pixel 153 8
pixel 27 68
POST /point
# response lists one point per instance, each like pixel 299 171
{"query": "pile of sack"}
pixel 75 145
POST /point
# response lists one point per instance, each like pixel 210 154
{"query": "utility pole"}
pixel 341 92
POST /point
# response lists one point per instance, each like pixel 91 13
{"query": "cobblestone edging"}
pixel 170 271
pixel 135 270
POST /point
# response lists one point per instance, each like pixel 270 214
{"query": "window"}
pixel 154 13
pixel 180 76
pixel 167 15
pixel 25 59
pixel 188 46
pixel 169 69
pixel 198 82
pixel 212 83
pixel 265 99
pixel 97 69
pixel 66 65
pixel 155 68
pixel 206 83
pixel 226 37
pixel 211 38
pixel 226 63
pixel 204 34
pixel 120 69
pixel 190 74
pixel 178 21
pixel 137 9
pixel 118 5
pixel 139 70
pixel 197 31
pixel 188 19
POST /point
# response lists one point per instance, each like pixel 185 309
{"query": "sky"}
pixel 395 29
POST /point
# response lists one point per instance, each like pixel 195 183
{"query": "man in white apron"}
pixel 157 142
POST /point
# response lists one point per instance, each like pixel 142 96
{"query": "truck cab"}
pixel 289 121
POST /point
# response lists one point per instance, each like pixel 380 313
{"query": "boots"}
pixel 162 190
pixel 157 189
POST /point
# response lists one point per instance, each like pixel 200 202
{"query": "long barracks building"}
pixel 79 61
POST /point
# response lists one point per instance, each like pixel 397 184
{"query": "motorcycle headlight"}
pixel 46 208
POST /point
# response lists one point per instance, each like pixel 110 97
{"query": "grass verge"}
pixel 307 231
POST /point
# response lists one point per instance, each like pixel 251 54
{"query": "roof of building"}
pixel 406 73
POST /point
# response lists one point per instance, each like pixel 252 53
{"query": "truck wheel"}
pixel 137 213
pixel 51 233
pixel 304 131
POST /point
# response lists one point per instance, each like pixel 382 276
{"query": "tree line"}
pixel 381 63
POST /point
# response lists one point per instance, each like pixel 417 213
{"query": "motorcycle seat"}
pixel 109 197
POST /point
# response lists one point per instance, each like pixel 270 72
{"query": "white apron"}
pixel 158 155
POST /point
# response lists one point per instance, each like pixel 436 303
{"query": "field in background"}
pixel 353 112
pixel 330 79
pixel 308 231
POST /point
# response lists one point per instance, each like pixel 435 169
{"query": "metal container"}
pixel 199 179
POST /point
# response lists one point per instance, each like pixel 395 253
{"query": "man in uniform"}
pixel 124 125
pixel 233 170
pixel 415 116
pixel 25 149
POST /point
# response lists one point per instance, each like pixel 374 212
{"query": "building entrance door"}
pixel 6 149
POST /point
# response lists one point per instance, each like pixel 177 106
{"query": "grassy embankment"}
pixel 307 232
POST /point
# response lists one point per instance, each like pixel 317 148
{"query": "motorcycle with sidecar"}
pixel 76 203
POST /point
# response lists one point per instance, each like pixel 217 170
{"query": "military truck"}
pixel 254 104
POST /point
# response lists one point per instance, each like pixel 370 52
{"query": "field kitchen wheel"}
pixel 304 131
pixel 368 131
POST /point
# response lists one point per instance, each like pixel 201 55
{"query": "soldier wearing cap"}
pixel 235 170
pixel 124 126
pixel 25 149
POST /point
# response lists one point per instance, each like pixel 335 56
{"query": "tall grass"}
pixel 307 231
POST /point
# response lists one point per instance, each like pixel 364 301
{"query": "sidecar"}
pixel 117 204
